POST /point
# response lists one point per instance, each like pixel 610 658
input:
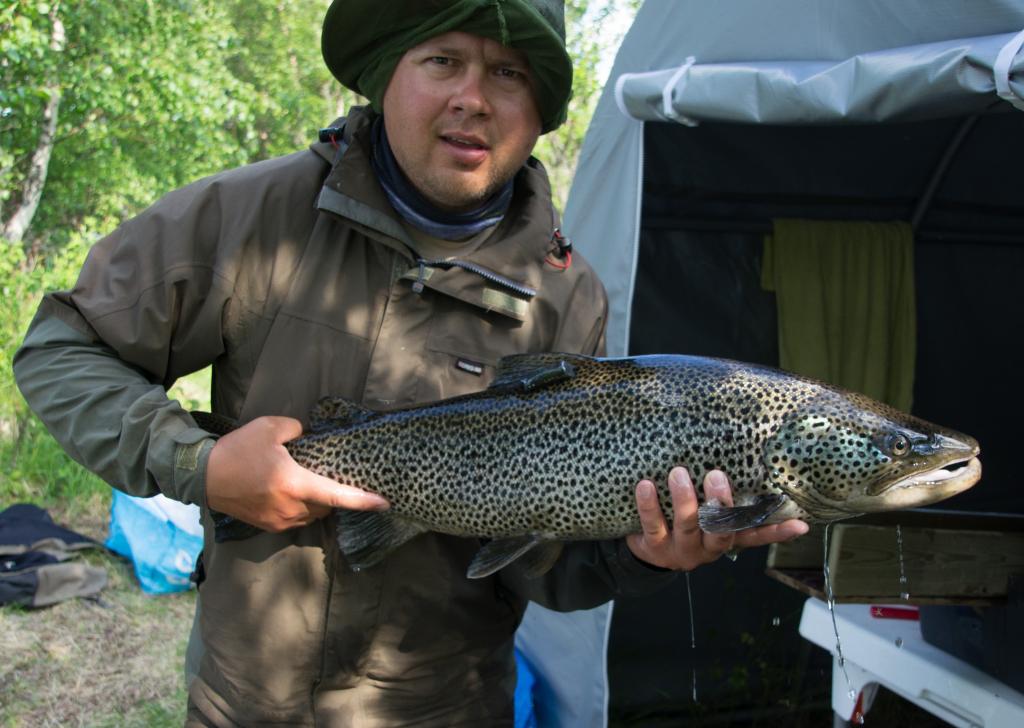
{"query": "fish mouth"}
pixel 931 486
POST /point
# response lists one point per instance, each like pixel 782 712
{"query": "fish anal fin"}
pixel 716 518
pixel 499 553
pixel 366 537
pixel 539 560
pixel 527 372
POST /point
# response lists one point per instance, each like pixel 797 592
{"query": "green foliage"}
pixel 560 149
pixel 154 94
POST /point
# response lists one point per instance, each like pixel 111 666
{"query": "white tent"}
pixel 720 116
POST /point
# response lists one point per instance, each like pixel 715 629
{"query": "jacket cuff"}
pixel 633 575
pixel 191 455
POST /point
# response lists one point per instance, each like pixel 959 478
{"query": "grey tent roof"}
pixel 783 62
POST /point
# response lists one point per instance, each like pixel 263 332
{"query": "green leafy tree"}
pixel 111 104
pixel 107 104
pixel 589 40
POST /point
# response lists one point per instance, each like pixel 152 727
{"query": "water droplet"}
pixel 852 694
pixel 899 642
pixel 831 600
pixel 899 553
pixel 776 621
pixel 693 637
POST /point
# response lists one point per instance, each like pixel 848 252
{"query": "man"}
pixel 393 265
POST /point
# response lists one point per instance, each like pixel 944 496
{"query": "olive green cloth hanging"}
pixel 846 305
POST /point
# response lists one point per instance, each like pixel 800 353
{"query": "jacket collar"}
pixel 503 274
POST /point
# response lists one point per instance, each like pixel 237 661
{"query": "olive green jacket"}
pixel 295 280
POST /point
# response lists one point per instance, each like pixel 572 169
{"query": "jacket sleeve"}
pixel 588 573
pixel 97 360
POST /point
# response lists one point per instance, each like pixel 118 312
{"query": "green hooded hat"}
pixel 363 40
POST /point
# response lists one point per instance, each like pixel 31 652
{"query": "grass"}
pixel 116 661
pixel 112 662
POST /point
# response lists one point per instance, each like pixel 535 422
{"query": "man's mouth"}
pixel 464 141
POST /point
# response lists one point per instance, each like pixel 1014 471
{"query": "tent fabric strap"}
pixel 1001 70
pixel 940 171
pixel 669 93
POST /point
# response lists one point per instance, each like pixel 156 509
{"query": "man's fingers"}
pixel 776 533
pixel 684 503
pixel 282 429
pixel 716 486
pixel 652 520
pixel 317 490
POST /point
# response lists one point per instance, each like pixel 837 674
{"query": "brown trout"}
pixel 553 449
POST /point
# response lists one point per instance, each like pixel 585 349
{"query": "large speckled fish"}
pixel 553 449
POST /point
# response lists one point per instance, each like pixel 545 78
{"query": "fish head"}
pixel 851 455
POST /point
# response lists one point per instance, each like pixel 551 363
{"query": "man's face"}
pixel 461 117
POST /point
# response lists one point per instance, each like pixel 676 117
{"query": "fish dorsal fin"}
pixel 500 553
pixel 527 372
pixel 366 537
pixel 336 411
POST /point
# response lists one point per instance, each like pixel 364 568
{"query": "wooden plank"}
pixel 806 552
pixel 812 583
pixel 937 563
pixel 949 557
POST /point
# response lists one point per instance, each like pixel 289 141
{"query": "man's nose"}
pixel 470 94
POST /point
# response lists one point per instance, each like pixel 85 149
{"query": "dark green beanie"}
pixel 363 41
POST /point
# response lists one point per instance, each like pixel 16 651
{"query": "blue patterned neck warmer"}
pixel 420 212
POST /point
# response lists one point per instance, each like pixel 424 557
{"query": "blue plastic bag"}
pixel 525 680
pixel 161 537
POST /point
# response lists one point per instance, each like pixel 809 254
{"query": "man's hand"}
pixel 251 476
pixel 684 546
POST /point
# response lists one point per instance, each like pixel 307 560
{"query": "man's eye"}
pixel 509 73
pixel 440 60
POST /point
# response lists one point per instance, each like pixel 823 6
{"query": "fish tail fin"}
pixel 366 537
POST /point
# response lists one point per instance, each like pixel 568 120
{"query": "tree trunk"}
pixel 32 190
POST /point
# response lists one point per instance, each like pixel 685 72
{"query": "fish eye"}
pixel 898 444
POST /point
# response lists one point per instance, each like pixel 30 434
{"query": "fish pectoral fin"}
pixel 500 553
pixel 527 372
pixel 716 518
pixel 539 560
pixel 366 537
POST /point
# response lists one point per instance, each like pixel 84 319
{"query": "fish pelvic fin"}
pixel 366 537
pixel 527 372
pixel 539 560
pixel 538 555
pixel 716 518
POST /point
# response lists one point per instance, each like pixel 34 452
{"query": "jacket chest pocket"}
pixel 302 361
pixel 466 343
